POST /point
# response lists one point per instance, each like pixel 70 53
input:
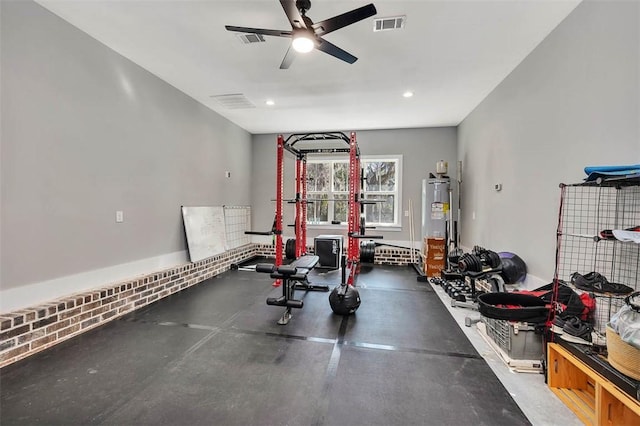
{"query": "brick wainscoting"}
pixel 27 331
pixel 394 256
pixel 31 330
pixel 383 255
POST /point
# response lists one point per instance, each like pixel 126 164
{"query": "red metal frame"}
pixel 353 247
pixel 300 221
pixel 353 250
pixel 303 207
pixel 279 199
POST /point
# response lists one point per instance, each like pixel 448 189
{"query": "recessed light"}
pixel 407 94
pixel 270 102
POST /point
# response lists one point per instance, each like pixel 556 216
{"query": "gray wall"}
pixel 420 148
pixel 86 132
pixel 574 101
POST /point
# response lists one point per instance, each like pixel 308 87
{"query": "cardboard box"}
pixel 432 267
pixel 434 243
pixel 433 270
pixel 434 248
pixel 435 255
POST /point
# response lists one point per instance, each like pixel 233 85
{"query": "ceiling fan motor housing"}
pixel 303 5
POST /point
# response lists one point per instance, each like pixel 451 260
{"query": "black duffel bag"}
pixel 513 307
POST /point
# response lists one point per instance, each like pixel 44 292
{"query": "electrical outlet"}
pixel 406 213
pixel 227 174
pixel 119 216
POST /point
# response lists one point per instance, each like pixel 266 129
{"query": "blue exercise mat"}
pixel 609 172
pixel 606 169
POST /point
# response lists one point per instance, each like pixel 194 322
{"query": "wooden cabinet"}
pixel 593 398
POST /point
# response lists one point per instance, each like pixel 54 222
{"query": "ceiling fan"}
pixel 306 35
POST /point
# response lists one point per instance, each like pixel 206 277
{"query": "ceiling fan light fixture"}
pixel 305 35
pixel 302 43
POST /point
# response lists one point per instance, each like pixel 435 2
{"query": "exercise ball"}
pixel 344 299
pixel 514 269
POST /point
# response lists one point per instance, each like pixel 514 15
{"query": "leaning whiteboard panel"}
pixel 205 230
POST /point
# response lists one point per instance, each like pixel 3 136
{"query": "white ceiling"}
pixel 451 54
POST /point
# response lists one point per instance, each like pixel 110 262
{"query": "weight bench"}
pixel 293 276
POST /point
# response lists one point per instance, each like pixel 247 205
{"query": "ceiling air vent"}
pixel 392 23
pixel 251 38
pixel 233 101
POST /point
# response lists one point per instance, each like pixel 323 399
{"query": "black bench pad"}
pixel 306 262
pixel 296 270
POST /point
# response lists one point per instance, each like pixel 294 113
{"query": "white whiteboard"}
pixel 205 230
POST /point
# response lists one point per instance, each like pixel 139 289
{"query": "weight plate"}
pixel 367 251
pixel 290 249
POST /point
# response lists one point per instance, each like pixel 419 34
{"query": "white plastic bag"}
pixel 626 322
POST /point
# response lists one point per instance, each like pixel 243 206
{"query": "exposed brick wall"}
pixel 383 255
pixel 266 250
pixel 28 331
pixel 394 256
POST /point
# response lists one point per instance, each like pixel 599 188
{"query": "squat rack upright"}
pixel 355 226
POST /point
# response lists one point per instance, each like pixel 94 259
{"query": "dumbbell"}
pixel 458 296
pixel 437 281
pixel 476 262
pixel 452 290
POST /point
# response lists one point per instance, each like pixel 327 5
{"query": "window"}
pixel 328 188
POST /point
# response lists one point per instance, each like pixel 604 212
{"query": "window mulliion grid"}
pixel 328 191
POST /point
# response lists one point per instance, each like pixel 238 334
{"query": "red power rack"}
pixel 350 147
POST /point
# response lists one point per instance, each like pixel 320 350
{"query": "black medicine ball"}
pixel 344 299
pixel 514 269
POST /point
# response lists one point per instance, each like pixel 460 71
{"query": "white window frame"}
pixel 331 194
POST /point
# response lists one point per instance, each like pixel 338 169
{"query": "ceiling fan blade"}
pixel 341 21
pixel 293 13
pixel 288 58
pixel 335 51
pixel 275 33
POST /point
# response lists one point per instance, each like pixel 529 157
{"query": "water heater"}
pixel 436 202
pixel 435 207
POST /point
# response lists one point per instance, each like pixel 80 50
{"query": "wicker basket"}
pixel 622 356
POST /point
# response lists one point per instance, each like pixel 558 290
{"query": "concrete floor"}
pixel 213 354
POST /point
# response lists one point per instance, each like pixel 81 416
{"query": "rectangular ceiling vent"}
pixel 386 24
pixel 233 101
pixel 251 38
